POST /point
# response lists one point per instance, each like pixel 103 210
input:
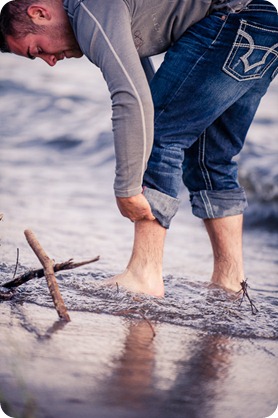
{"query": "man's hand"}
pixel 136 208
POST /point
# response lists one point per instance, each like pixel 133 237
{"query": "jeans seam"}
pixel 207 204
pixel 201 161
pixel 259 26
pixel 266 8
pixel 275 72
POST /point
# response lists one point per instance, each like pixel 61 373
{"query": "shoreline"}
pixel 104 366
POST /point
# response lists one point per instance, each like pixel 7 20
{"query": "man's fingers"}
pixel 135 208
pixel 148 217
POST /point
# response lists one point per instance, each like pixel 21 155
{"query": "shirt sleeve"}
pixel 103 31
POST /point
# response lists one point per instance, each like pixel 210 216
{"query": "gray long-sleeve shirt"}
pixel 115 35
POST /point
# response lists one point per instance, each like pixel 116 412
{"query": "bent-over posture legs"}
pixel 205 95
pixel 144 271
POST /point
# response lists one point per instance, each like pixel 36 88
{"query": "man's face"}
pixel 51 46
pixel 54 42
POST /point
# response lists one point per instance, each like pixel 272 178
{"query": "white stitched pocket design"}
pixel 254 51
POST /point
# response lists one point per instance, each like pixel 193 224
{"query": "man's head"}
pixel 37 28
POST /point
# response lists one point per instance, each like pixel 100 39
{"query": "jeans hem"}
pixel 163 207
pixel 209 204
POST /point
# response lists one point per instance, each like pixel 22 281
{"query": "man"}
pixel 221 56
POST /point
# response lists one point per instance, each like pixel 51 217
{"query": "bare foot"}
pixel 138 284
pixel 144 270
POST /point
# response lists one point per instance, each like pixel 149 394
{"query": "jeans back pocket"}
pixel 254 51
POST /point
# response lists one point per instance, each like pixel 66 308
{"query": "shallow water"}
pixel 57 170
pixel 104 366
pixel 186 303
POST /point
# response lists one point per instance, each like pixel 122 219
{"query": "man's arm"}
pixel 137 207
pixel 105 37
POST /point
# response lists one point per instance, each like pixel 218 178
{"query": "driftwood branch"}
pixel 36 274
pixel 6 295
pixel 49 275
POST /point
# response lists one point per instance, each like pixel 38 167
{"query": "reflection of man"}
pixel 132 381
pixel 205 95
pixel 169 377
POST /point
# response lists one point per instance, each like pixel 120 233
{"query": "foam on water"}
pixel 186 303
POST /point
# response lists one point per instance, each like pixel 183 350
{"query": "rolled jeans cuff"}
pixel 163 207
pixel 218 203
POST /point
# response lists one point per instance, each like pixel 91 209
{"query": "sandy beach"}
pixel 104 366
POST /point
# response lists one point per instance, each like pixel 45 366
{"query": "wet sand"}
pixel 102 366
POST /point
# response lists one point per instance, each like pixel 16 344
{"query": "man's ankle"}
pixel 228 283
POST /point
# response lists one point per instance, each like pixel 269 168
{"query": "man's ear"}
pixel 39 14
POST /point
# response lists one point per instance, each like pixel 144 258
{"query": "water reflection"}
pixel 103 366
pixel 132 381
pixel 202 372
pixel 201 366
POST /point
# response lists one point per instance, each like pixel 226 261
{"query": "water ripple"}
pixel 187 304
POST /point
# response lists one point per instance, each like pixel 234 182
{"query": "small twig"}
pixel 135 311
pixel 244 287
pixel 16 264
pixel 49 275
pixel 36 274
pixel 148 322
pixel 118 290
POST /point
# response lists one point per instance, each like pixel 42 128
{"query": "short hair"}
pixel 14 21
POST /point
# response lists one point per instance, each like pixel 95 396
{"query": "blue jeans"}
pixel 205 95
